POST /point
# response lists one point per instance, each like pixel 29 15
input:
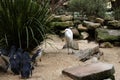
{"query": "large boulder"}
pixel 91 25
pixel 62 25
pixel 114 24
pixel 62 18
pixel 87 53
pixel 107 35
pixel 66 18
pixel 94 71
pixel 99 20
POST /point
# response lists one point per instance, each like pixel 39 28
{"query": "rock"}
pixel 3 63
pixel 94 71
pixel 66 18
pixel 84 41
pixel 92 60
pixel 86 53
pixel 61 25
pixel 82 28
pixel 98 55
pixel 116 43
pixel 65 3
pixel 76 22
pixel 75 32
pixel 62 18
pixel 106 35
pixel 99 20
pixel 106 45
pixel 56 18
pixel 74 45
pixel 91 18
pixel 91 25
pixel 108 79
pixel 84 35
pixel 105 27
pixel 114 24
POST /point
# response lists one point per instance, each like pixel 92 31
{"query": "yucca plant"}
pixel 23 22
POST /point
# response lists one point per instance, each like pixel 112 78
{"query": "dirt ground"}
pixel 56 59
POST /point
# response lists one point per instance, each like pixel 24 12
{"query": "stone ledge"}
pixel 95 71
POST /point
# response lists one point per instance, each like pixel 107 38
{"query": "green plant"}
pixel 88 7
pixel 117 13
pixel 23 22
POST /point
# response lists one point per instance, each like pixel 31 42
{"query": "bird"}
pixel 17 59
pixel 26 67
pixel 4 52
pixel 12 51
pixel 37 56
pixel 68 37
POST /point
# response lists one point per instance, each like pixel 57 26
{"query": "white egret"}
pixel 69 38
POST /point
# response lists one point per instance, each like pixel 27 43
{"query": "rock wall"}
pixel 90 28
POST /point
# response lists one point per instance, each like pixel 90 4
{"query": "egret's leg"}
pixel 68 48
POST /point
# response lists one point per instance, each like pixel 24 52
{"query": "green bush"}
pixel 117 13
pixel 23 22
pixel 88 7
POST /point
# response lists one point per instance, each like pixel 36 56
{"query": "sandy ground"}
pixel 56 59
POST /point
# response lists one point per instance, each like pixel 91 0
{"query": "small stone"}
pixel 106 45
pixel 3 63
pixel 82 28
pixel 108 79
pixel 84 35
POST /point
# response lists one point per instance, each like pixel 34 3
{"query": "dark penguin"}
pixel 26 68
pixel 37 56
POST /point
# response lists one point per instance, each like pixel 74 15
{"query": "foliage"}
pixel 88 7
pixel 117 13
pixel 23 22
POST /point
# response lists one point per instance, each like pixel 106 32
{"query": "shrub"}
pixel 117 13
pixel 88 7
pixel 23 22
